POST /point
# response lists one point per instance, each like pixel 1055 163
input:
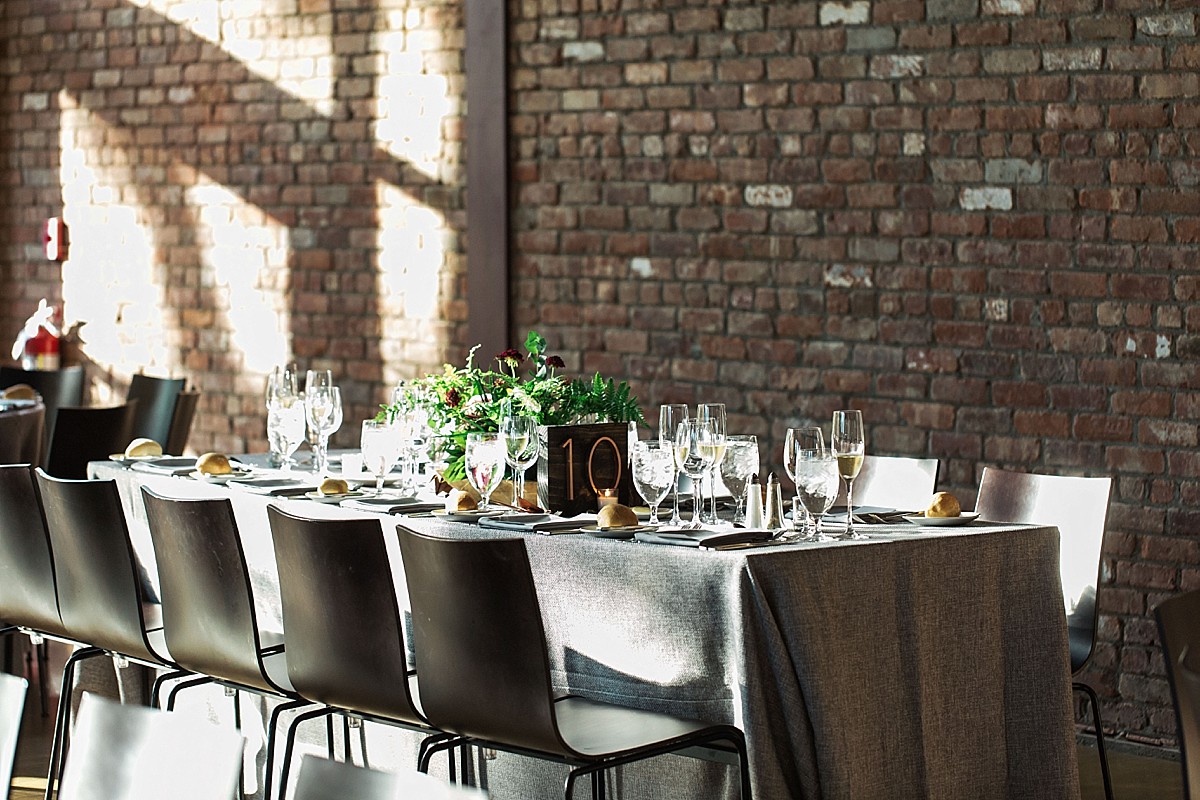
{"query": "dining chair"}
pixel 342 623
pixel 102 598
pixel 58 387
pixel 326 779
pixel 87 434
pixel 12 708
pixel 128 752
pixel 22 435
pixel 156 399
pixel 485 671
pixel 1078 507
pixel 181 423
pixel 28 599
pixel 1179 630
pixel 897 482
pixel 208 611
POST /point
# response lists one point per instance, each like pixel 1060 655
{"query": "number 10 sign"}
pixel 578 463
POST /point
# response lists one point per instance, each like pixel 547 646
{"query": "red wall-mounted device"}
pixel 54 237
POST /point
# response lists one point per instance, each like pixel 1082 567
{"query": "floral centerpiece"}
pixel 463 400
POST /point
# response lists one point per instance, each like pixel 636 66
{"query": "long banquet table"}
pixel 918 664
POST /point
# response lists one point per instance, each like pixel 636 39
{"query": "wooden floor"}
pixel 1134 777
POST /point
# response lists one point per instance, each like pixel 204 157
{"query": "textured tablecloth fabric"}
pixel 926 665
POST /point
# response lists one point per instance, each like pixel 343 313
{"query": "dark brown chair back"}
pixel 96 570
pixel 1179 629
pixel 341 620
pixel 27 595
pixel 481 648
pixel 87 434
pixel 22 433
pixel 181 423
pixel 156 399
pixel 1079 509
pixel 58 388
pixel 204 584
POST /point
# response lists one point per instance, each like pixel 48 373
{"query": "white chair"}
pixel 322 779
pixel 121 752
pixel 12 707
pixel 893 482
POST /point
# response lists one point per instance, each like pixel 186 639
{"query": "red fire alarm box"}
pixel 54 237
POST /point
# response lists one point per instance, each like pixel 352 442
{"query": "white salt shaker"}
pixel 754 504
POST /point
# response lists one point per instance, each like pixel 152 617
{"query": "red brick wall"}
pixel 978 222
pixel 975 220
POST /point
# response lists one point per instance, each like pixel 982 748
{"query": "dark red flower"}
pixel 512 356
pixel 453 398
pixel 555 361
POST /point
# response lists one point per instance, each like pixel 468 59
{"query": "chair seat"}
pixel 598 730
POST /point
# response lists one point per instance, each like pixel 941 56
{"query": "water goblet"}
pixel 714 413
pixel 323 407
pixel 849 445
pixel 817 487
pixel 796 439
pixel 695 450
pixel 653 473
pixel 381 446
pixel 670 416
pixel 285 427
pixel 485 465
pixel 739 463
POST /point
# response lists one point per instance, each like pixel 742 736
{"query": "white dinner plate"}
pixel 474 515
pixel 943 522
pixel 317 497
pixel 226 478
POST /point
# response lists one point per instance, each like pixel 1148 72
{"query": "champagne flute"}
pixel 695 450
pixel 285 427
pixel 714 413
pixel 653 473
pixel 322 404
pixel 381 445
pixel 670 416
pixel 739 463
pixel 485 465
pixel 520 437
pixel 849 445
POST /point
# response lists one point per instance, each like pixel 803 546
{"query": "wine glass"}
pixel 322 404
pixel 695 450
pixel 281 381
pixel 802 438
pixel 714 413
pixel 520 437
pixel 849 445
pixel 739 463
pixel 485 465
pixel 817 484
pixel 381 446
pixel 670 416
pixel 285 427
pixel 653 473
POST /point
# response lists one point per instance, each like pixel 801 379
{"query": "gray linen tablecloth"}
pixel 922 665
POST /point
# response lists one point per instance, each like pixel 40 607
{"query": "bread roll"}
pixel 143 447
pixel 616 516
pixel 213 464
pixel 943 504
pixel 458 500
pixel 19 391
pixel 333 486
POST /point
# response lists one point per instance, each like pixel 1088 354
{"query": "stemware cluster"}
pixel 818 471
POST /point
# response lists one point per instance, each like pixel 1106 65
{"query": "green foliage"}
pixel 462 400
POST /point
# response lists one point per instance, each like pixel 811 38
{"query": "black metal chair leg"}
pixel 433 749
pixel 329 747
pixel 179 687
pixel 58 745
pixel 1094 699
pixel 272 725
pixel 156 688
pixel 290 745
pixel 43 651
pixel 348 756
pixel 362 738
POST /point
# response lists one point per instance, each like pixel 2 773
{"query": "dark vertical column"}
pixel 487 175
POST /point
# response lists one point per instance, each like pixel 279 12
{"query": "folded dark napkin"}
pixel 275 487
pixel 704 538
pixel 538 523
pixel 391 505
pixel 167 465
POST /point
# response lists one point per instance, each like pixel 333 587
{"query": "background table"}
pixel 929 664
